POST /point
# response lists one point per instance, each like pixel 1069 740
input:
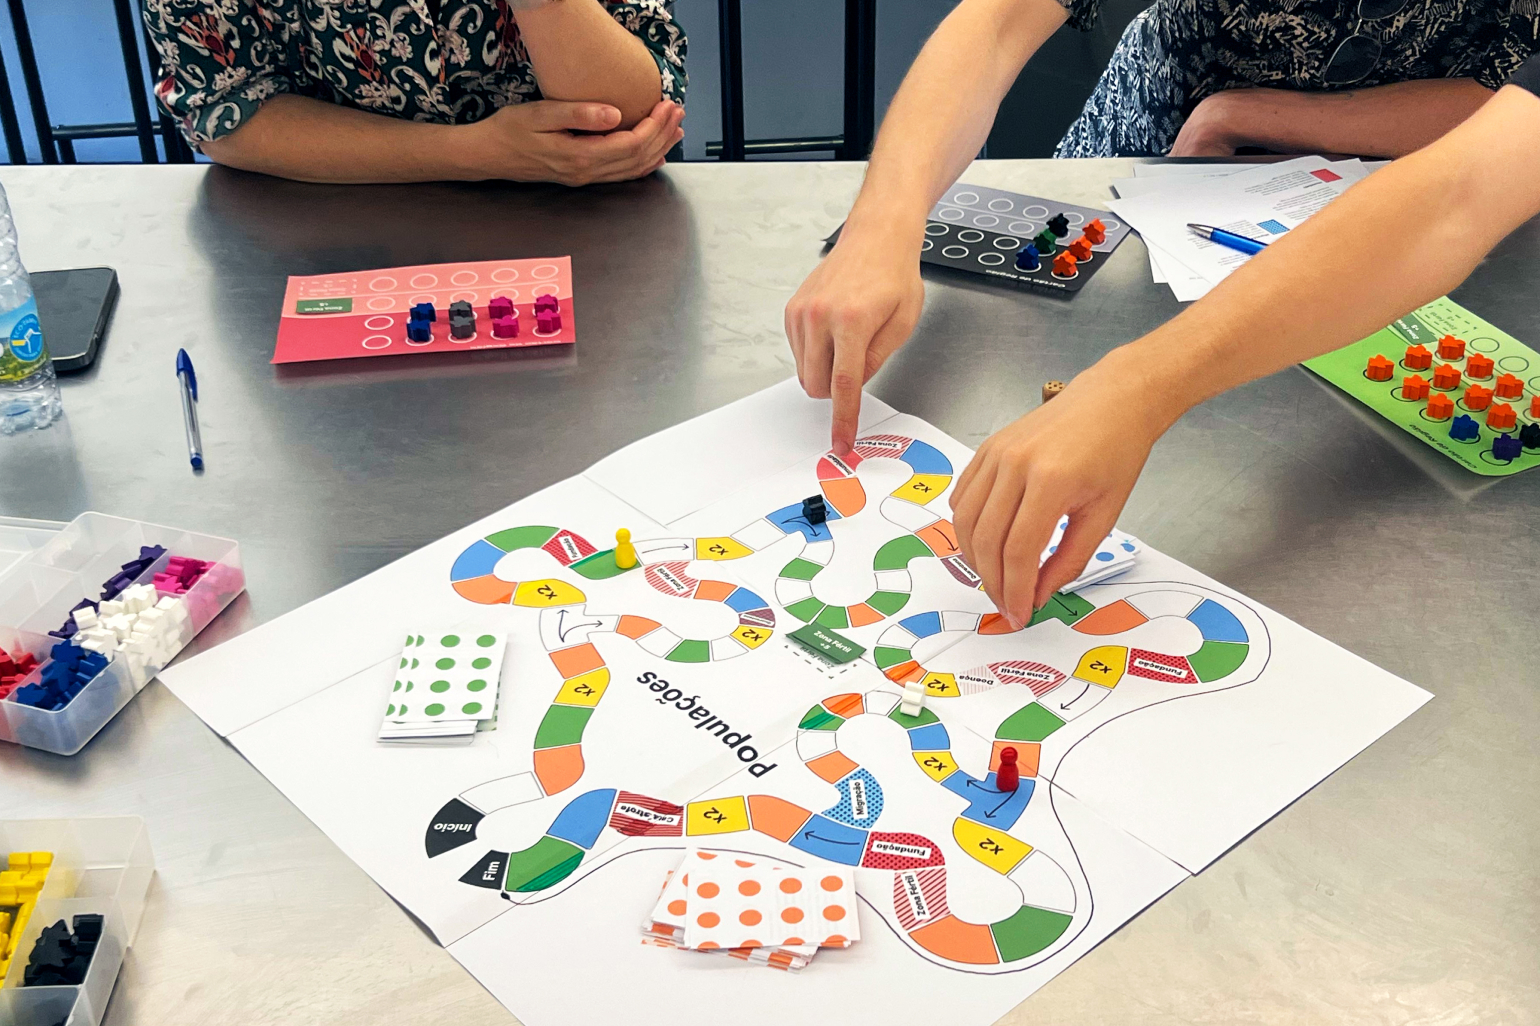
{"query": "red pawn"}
pixel 1007 777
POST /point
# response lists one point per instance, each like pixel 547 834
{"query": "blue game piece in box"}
pixel 419 331
pixel 424 312
pixel 1506 447
pixel 1028 258
pixel 1464 428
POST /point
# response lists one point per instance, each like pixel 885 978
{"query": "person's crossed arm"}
pixel 1400 238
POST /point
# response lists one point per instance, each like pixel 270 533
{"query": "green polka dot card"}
pixel 445 683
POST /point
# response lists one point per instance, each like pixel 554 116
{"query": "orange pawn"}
pixel 1379 369
pixel 1414 386
pixel 1478 397
pixel 1501 417
pixel 1446 376
pixel 1534 406
pixel 1509 387
pixel 1080 248
pixel 1096 232
pixel 1451 348
pixel 1417 358
pixel 1478 366
pixel 1440 406
pixel 1064 265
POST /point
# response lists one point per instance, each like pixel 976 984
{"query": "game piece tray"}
pixel 1345 368
pixel 101 867
pixel 54 566
pixel 976 229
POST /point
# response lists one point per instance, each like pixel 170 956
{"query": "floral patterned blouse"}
pixel 444 61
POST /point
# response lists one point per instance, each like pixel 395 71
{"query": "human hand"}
pixel 537 142
pixel 1211 130
pixel 1080 454
pixel 850 315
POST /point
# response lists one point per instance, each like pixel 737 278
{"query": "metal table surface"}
pixel 1403 890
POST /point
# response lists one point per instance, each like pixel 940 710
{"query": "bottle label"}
pixel 21 342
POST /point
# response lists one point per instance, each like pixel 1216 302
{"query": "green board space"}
pixel 1345 369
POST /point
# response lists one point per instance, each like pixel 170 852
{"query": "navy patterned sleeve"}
pixel 1518 41
pixel 1082 13
pixel 218 63
pixel 1528 75
pixel 653 22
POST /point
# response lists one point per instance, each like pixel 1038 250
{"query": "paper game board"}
pixel 364 313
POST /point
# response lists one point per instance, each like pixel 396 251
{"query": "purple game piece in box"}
pixel 505 327
pixel 500 306
pixel 546 303
pixel 548 322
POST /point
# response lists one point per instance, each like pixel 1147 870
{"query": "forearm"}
pixel 1380 121
pixel 314 141
pixel 579 52
pixel 943 111
pixel 1404 236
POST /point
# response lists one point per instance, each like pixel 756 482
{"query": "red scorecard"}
pixel 366 313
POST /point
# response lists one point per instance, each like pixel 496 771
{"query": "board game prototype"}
pixel 749 686
pixel 1451 379
pixel 430 308
pixel 1029 240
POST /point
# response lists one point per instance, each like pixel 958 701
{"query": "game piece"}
pixel 1451 348
pixel 835 647
pixel 462 327
pixel 505 327
pixel 1440 406
pixel 546 302
pixel 1064 265
pixel 1008 776
pixel 1379 368
pixel 1529 435
pixel 419 331
pixel 1059 225
pixel 1051 389
pixel 625 552
pixel 547 316
pixel 1418 357
pixel 1413 386
pixel 499 306
pixel 1096 231
pixel 1509 386
pixel 1506 447
pixel 1046 242
pixel 1478 397
pixel 1027 258
pixel 1534 406
pixel 1502 417
pixel 1479 366
pixel 814 510
pixel 1464 428
pixel 1446 376
pixel 461 308
pixel 423 312
pixel 913 701
pixel 1081 248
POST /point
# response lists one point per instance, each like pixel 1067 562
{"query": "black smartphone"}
pixel 74 308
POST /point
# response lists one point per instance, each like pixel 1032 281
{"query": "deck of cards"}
pixel 1113 556
pixel 444 687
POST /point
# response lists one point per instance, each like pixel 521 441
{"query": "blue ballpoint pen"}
pixel 188 379
pixel 1224 238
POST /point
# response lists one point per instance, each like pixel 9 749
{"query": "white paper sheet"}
pixel 542 839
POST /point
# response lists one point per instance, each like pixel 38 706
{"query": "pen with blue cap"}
pixel 1241 242
pixel 188 379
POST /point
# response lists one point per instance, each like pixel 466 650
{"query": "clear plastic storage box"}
pixel 47 568
pixel 100 867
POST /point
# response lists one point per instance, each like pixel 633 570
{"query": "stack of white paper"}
pixel 1261 201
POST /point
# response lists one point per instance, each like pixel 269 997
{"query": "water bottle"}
pixel 29 393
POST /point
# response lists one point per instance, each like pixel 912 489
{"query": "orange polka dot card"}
pixel 733 903
pixel 666 926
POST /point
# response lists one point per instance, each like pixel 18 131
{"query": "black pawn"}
pixel 1059 225
pixel 813 510
pixel 462 327
pixel 1529 434
pixel 460 309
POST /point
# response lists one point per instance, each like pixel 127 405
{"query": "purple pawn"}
pixel 505 327
pixel 548 322
pixel 500 306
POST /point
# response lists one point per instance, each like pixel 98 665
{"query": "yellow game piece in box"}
pixel 31 884
pixel 41 859
pixel 8 895
pixel 11 877
pixel 19 860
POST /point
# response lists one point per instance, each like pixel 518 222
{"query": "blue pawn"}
pixel 1027 258
pixel 1506 447
pixel 424 312
pixel 419 331
pixel 1464 428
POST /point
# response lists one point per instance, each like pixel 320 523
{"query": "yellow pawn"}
pixel 625 552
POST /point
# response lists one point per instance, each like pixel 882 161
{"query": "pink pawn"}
pixel 505 327
pixel 1007 777
pixel 500 306
pixel 546 303
pixel 548 322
